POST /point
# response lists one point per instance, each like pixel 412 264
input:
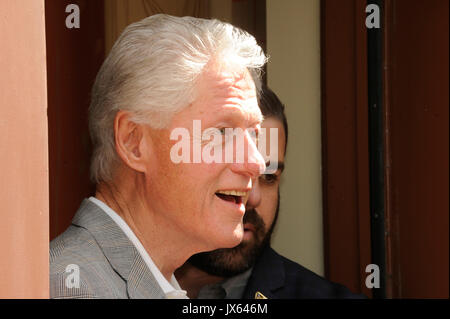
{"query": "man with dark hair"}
pixel 253 269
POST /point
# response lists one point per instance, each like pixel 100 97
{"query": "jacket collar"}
pixel 268 275
pixel 119 250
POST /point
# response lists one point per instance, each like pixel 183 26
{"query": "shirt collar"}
pixel 230 288
pixel 171 289
pixel 235 286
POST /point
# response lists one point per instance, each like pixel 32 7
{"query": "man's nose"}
pixel 253 164
pixel 254 198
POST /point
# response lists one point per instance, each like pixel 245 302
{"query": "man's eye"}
pixel 269 178
pixel 222 131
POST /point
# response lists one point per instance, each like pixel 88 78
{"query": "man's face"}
pixel 190 196
pixel 259 220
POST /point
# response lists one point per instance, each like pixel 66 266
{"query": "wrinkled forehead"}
pixel 229 88
pixel 228 74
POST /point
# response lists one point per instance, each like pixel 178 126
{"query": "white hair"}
pixel 151 72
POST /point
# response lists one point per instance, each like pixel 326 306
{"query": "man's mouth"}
pixel 234 196
pixel 249 227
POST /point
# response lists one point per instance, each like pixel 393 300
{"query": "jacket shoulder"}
pixel 285 279
pixel 79 269
pixel 308 284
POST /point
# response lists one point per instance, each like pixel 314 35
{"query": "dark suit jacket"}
pixel 277 277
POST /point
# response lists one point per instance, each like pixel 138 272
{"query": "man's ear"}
pixel 129 141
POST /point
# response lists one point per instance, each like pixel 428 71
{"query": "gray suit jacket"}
pixel 109 264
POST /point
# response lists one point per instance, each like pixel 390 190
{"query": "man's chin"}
pixel 227 262
pixel 248 237
pixel 228 239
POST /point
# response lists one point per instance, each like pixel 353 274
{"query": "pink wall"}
pixel 24 227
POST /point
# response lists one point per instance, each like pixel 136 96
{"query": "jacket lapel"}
pixel 268 275
pixel 119 250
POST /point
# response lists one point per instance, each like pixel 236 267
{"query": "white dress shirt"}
pixel 172 290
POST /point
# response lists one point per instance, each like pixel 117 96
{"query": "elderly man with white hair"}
pixel 150 213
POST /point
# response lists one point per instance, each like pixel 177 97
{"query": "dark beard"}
pixel 230 262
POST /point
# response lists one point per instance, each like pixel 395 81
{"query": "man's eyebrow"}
pixel 230 115
pixel 280 166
